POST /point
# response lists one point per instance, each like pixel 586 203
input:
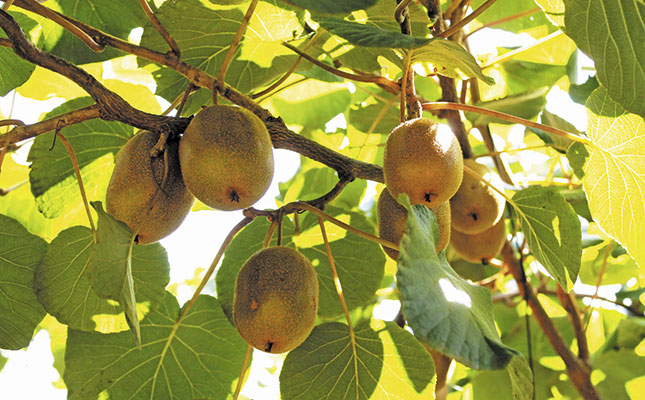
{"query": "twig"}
pixel 449 94
pixel 235 42
pixel 245 365
pixel 442 105
pixel 574 316
pixel 456 27
pixel 7 4
pixel 391 86
pixel 79 178
pixel 503 20
pixel 509 55
pixel 598 283
pixel 162 31
pixel 4 192
pixel 400 13
pixel 578 371
pixel 14 122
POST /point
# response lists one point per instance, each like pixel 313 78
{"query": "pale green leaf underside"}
pixel 62 284
pixel 552 230
pixel 450 59
pixel 202 360
pixel 612 33
pixel 615 173
pixel 389 363
pixel 444 310
pixel 20 311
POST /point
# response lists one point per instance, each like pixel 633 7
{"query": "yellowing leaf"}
pixel 615 173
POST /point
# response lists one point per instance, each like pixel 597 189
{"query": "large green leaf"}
pixel 526 105
pixel 559 143
pixel 204 35
pixel 20 311
pixel 332 6
pixel 52 177
pixel 62 284
pixel 367 35
pixel 552 230
pixel 444 310
pixel 15 70
pixel 598 261
pixel 524 76
pixel 450 59
pixel 503 9
pixel 618 368
pixel 322 103
pixel 381 361
pixel 199 356
pixel 360 264
pixel 615 173
pixel 612 33
pixel 116 17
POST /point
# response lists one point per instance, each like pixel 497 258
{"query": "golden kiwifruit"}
pixel 276 299
pixel 423 161
pixel 226 157
pixel 476 207
pixel 481 247
pixel 136 181
pixel 392 217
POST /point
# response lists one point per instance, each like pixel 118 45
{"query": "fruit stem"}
pixel 6 5
pixel 269 235
pixel 162 31
pixel 245 365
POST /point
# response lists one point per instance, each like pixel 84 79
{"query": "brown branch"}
pixel 162 31
pixel 578 371
pixel 4 42
pixel 457 27
pixel 7 4
pixel 409 101
pixel 574 316
pixel 449 93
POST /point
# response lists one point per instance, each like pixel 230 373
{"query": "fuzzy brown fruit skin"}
pixel 423 161
pixel 136 179
pixel 391 217
pixel 226 157
pixel 481 247
pixel 276 299
pixel 476 207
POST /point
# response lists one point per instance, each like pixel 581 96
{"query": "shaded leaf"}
pixel 526 105
pixel 448 58
pixel 577 154
pixel 580 93
pixel 201 359
pixel 521 376
pixel 612 33
pixel 15 70
pixel 20 311
pixel 443 310
pixel 615 269
pixel 503 9
pixel 62 284
pixel 552 230
pixel 314 111
pixel 332 6
pixel 384 362
pixel 615 173
pixel 523 76
pixel 559 143
pixel 367 35
pixel 618 368
pixel 52 178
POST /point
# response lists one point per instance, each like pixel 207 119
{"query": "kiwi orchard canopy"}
pixel 137 137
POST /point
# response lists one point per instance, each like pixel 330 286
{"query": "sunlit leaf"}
pixel 503 9
pixel 553 9
pixel 612 33
pixel 615 173
pixel 20 311
pixel 552 230
pixel 332 6
pixel 450 59
pixel 615 270
pixel 381 361
pixel 200 359
pixel 443 310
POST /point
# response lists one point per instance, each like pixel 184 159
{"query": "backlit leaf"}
pixel 332 6
pixel 615 173
pixel 20 311
pixel 382 362
pixel 367 35
pixel 450 59
pixel 526 105
pixel 503 9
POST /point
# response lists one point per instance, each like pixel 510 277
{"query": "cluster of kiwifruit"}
pixel 426 163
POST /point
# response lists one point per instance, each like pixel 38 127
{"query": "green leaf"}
pixel 110 266
pixel 443 310
pixel 62 284
pixel 578 200
pixel 448 58
pixel 260 59
pixel 580 93
pixel 524 76
pixel 246 243
pixel 52 177
pixel 618 367
pixel 116 17
pixel 314 111
pixel 559 143
pixel 360 264
pixel 332 6
pixel 520 375
pixel 15 70
pixel 526 105
pixel 20 311
pixel 552 230
pixel 553 10
pixel 615 173
pixel 577 154
pixel 612 33
pixel 367 35
pixel 503 9
pixel 615 270
pixel 201 359
pixel 382 361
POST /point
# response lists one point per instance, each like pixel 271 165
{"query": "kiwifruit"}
pixel 392 217
pixel 476 206
pixel 480 247
pixel 136 181
pixel 423 161
pixel 226 157
pixel 276 299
